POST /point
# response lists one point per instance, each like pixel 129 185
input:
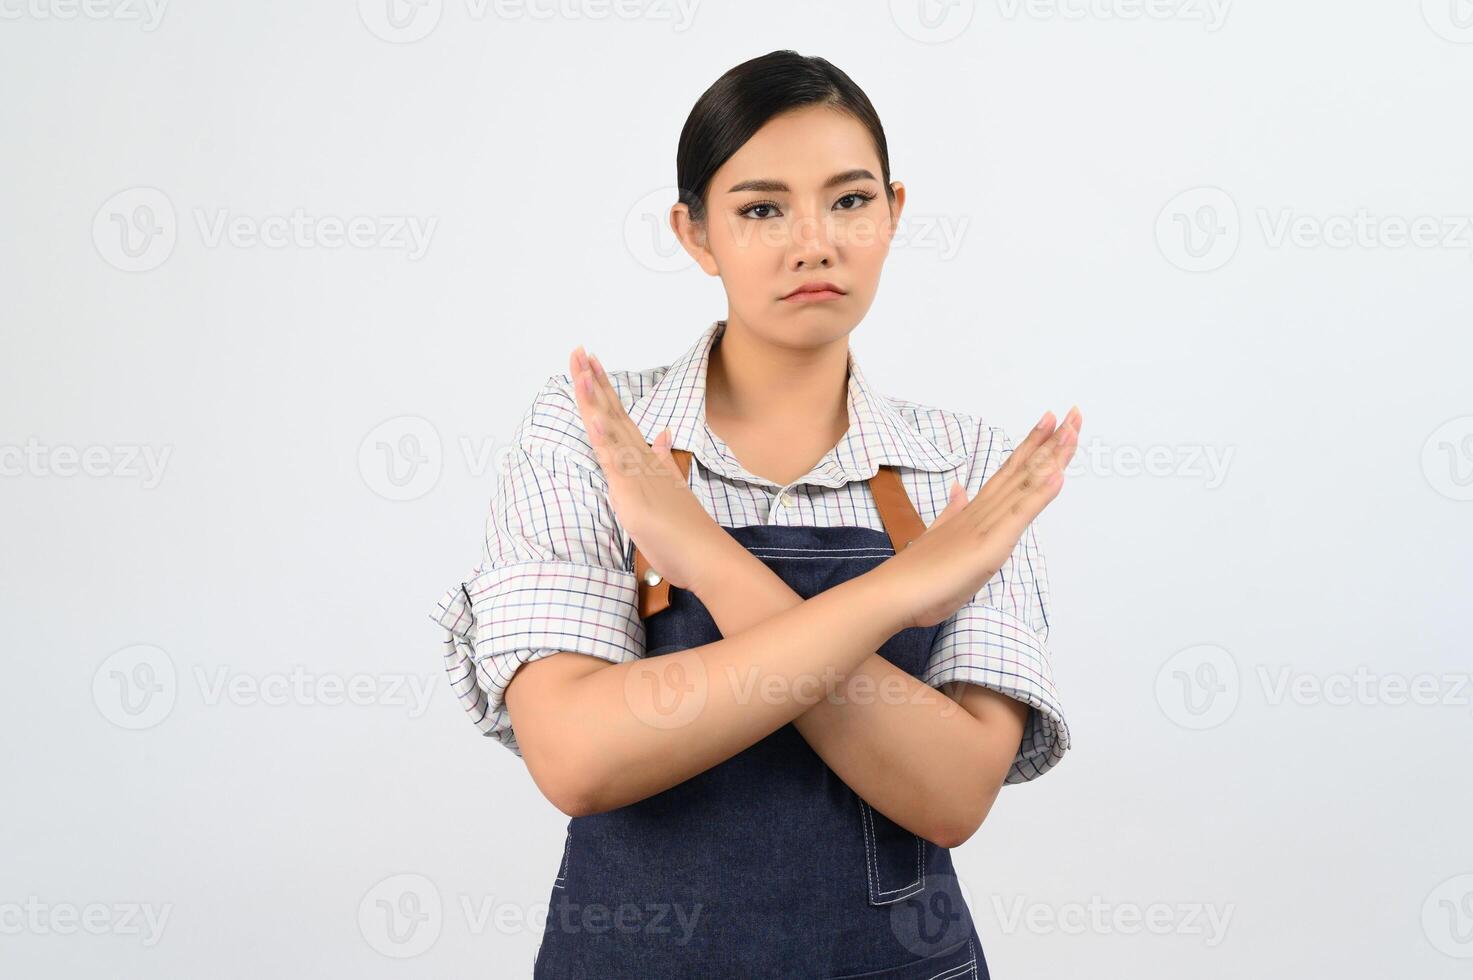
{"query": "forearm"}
pixel 907 749
pixel 638 728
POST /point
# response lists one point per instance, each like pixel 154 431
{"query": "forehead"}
pixel 802 147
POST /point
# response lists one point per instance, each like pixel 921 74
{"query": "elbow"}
pixel 953 834
pixel 584 799
pixel 565 780
pixel 569 798
pixel 572 798
pixel 967 817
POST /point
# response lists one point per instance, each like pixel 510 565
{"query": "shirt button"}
pixel 788 500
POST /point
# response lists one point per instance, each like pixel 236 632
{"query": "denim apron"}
pixel 766 865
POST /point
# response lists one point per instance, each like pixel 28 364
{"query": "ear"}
pixel 693 237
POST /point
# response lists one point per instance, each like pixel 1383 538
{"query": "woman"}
pixel 772 640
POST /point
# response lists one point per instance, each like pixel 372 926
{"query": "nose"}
pixel 812 245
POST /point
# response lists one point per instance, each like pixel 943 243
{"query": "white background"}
pixel 1190 220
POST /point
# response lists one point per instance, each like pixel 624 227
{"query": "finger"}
pixel 1010 523
pixel 1037 436
pixel 582 394
pixel 1023 467
pixel 956 500
pixel 1034 473
pixel 663 459
pixel 627 442
pixel 599 385
pixel 605 400
pixel 661 447
pixel 604 447
pixel 613 408
pixel 1038 482
pixel 1015 467
pixel 600 406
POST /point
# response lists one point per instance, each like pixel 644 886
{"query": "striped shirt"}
pixel 557 573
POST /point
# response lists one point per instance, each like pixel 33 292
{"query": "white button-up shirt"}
pixel 557 573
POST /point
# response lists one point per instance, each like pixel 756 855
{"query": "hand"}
pixel 649 495
pixel 969 541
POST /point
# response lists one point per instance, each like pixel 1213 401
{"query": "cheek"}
pixel 751 247
pixel 867 257
pixel 765 239
pixel 866 234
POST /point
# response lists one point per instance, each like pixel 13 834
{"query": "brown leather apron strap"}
pixel 899 515
pixel 902 522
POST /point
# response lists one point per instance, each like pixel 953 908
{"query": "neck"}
pixel 752 382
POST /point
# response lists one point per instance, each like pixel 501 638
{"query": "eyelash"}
pixel 864 196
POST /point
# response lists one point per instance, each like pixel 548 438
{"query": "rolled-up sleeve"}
pixel 999 639
pixel 554 575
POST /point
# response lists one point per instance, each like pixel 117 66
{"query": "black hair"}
pixel 741 101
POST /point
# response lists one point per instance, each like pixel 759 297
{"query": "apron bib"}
pixel 766 865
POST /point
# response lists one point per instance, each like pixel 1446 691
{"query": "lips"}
pixel 820 287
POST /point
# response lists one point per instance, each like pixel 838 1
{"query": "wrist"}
pixel 886 588
pixel 721 559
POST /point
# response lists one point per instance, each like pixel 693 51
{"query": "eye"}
pixel 863 197
pixel 747 209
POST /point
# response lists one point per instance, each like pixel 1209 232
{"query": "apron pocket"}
pixel 895 858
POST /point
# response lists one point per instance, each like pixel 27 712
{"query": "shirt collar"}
pixel 877 434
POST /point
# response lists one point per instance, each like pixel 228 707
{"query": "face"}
pixel 801 202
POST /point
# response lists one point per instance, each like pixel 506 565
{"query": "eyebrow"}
pixel 771 186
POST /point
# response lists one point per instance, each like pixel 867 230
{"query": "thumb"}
pixel 955 502
pixel 661 446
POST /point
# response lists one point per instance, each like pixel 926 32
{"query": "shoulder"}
pixel 981 445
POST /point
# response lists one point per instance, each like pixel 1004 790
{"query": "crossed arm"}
pixel 899 743
pixel 597 735
pixel 594 734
